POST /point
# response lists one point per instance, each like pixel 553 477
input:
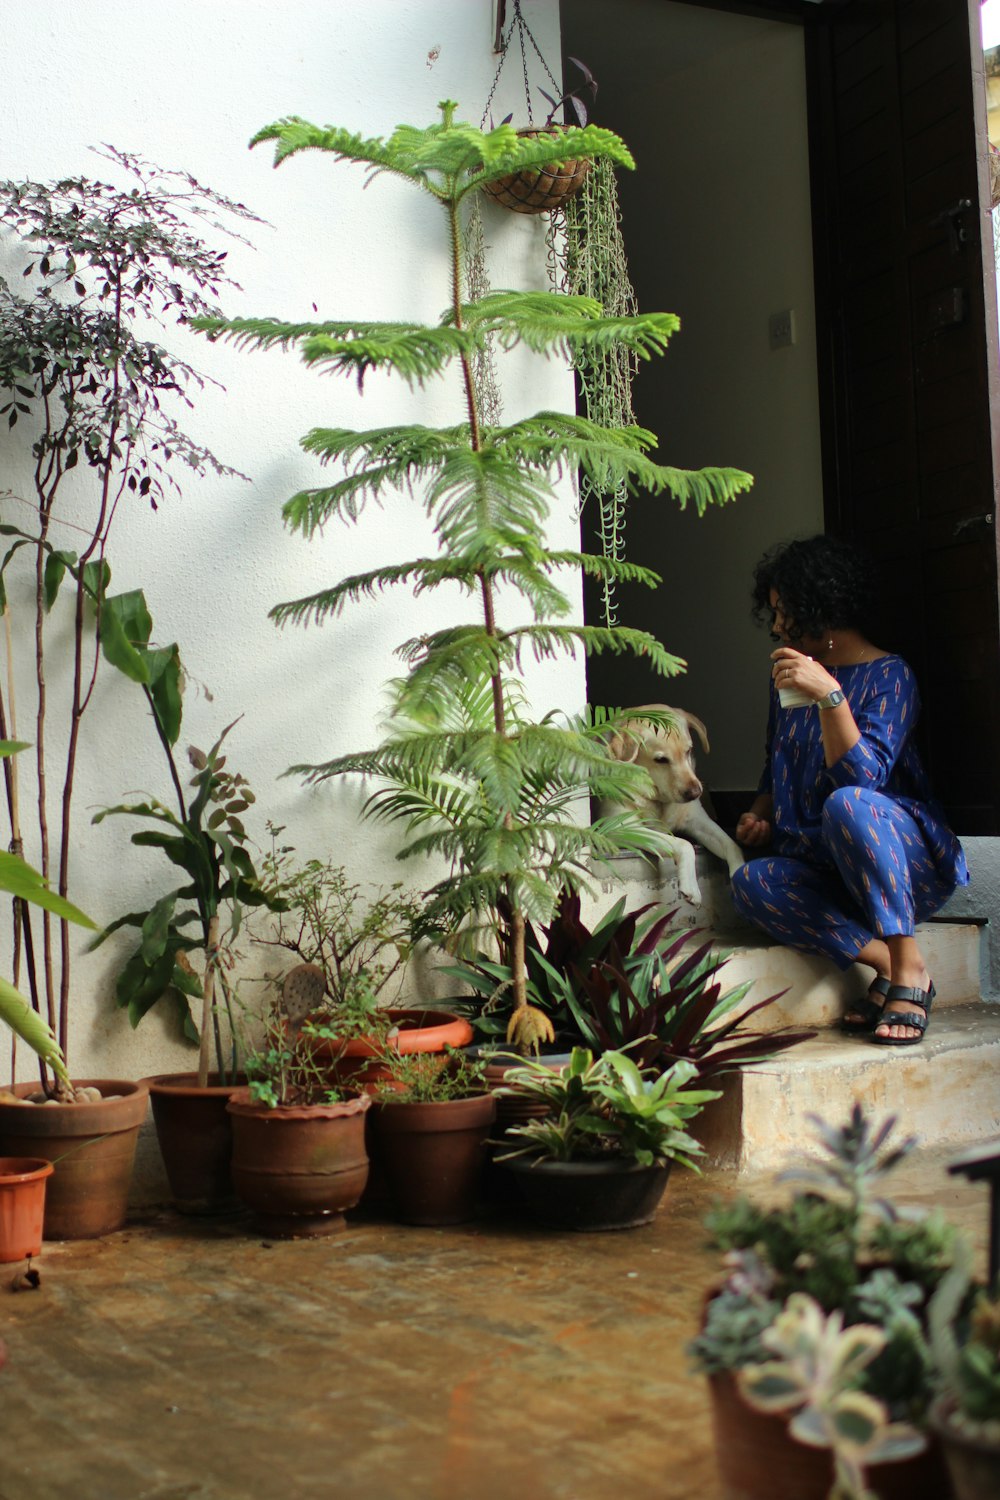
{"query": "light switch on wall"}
pixel 781 329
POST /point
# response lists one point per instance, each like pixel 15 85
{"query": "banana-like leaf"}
pixel 30 1027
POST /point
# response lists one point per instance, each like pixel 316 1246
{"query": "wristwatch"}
pixel 831 700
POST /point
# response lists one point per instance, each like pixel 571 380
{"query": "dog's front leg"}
pixel 711 837
pixel 687 875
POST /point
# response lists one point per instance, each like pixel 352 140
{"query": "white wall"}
pixel 186 83
pixel 716 221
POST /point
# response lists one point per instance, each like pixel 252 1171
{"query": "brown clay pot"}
pixel 91 1146
pixel 536 190
pixel 196 1140
pixel 973 1462
pixel 589 1195
pixel 299 1167
pixel 22 1205
pixel 758 1459
pixel 356 1060
pixel 432 1156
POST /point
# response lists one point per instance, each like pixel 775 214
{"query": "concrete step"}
pixel 816 992
pixel 945 1091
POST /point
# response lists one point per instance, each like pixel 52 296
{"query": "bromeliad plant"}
pixel 469 773
pixel 78 370
pixel 628 985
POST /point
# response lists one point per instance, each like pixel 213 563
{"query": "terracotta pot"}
pixel 536 190
pixel 91 1146
pixel 432 1156
pixel 590 1195
pixel 22 1205
pixel 973 1462
pixel 196 1140
pixel 355 1061
pixel 758 1459
pixel 299 1167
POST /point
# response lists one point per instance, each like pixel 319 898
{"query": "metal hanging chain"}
pixel 523 31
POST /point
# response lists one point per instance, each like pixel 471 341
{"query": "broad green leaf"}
pixel 30 1027
pixel 19 879
pixel 156 928
pixel 116 645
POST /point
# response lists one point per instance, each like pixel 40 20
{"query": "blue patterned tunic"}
pixel 885 702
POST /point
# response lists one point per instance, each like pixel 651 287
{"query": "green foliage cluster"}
pixel 105 264
pixel 838 1242
pixel 429 1077
pixel 628 986
pixel 362 940
pixel 461 766
pixel 606 1107
pixel 206 840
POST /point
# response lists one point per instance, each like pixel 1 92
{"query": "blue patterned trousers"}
pixel 880 881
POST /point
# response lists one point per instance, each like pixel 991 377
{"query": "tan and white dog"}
pixel 667 755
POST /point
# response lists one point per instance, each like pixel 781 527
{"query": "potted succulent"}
pixel 467 771
pixel 79 372
pixel 429 1131
pixel 839 1244
pixel 601 1155
pixel 965 1342
pixel 299 1159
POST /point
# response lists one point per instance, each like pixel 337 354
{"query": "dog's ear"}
pixel 698 728
pixel 623 746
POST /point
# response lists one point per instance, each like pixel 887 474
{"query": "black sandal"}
pixel 918 1020
pixel 869 1011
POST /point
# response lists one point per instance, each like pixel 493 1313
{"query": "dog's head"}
pixel 667 754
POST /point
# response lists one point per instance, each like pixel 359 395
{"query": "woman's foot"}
pixel 865 1014
pixel 899 1031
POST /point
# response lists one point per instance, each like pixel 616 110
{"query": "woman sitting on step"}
pixel 858 852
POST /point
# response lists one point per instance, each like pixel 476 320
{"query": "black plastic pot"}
pixel 590 1195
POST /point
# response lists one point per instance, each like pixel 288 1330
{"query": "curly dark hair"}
pixel 823 584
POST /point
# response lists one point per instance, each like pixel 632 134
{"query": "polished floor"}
pixel 189 1359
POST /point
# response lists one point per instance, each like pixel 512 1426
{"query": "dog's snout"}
pixel 692 792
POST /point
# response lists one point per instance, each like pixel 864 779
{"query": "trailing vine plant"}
pixel 105 264
pixel 463 766
pixel 587 258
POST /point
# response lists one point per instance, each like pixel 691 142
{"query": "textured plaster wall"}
pixel 186 84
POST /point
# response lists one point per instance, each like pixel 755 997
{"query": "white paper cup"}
pixel 794 698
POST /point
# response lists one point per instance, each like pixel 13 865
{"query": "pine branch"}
pixel 447 159
pixel 547 641
pixel 551 322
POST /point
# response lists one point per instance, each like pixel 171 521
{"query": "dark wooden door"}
pixel 909 358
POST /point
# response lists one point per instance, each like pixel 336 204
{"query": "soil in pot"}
pixel 432 1156
pixel 973 1461
pixel 91 1145
pixel 300 1168
pixel 196 1140
pixel 22 1205
pixel 590 1195
pixel 759 1460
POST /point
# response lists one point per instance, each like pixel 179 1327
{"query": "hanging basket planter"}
pixel 537 190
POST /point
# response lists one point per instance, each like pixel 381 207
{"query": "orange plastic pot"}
pixel 355 1060
pixel 22 1205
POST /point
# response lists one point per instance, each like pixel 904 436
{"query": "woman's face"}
pixel 782 626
